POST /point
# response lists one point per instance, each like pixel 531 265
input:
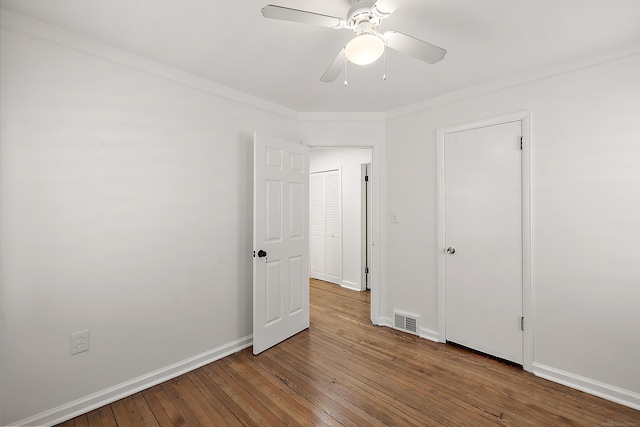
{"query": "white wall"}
pixel 127 210
pixel 586 209
pixel 348 161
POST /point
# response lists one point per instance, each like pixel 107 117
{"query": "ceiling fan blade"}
pixel 334 69
pixel 384 8
pixel 417 48
pixel 287 14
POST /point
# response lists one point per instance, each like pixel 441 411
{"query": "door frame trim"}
pixel 527 301
pixel 366 223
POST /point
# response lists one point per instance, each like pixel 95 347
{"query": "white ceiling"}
pixel 229 42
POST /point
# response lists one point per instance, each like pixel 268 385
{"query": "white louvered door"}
pixel 317 226
pixel 326 226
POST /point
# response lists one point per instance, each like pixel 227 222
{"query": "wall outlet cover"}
pixel 79 342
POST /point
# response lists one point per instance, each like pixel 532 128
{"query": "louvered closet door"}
pixel 326 226
pixel 317 226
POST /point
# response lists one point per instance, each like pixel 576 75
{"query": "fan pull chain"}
pixel 384 61
pixel 345 70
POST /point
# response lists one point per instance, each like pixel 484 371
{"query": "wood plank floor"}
pixel 345 372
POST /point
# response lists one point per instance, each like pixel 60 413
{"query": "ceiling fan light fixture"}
pixel 364 49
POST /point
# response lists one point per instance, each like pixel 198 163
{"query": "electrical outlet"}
pixel 79 342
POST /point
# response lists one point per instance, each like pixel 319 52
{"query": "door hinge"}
pixel 366 270
pixel 521 143
pixel 522 323
pixel 366 178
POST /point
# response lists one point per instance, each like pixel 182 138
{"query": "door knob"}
pixel 451 250
pixel 261 253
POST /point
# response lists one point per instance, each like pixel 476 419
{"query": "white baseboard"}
pixel 429 334
pixel 350 285
pixel 597 388
pixel 425 333
pixel 385 321
pixel 111 394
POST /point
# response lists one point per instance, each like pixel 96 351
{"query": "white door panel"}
pixel 316 255
pixel 317 226
pixel 333 259
pixel 281 243
pixel 483 224
pixel 326 226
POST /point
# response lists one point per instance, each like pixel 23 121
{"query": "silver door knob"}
pixel 451 250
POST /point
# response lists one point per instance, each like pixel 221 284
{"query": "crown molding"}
pixel 342 117
pixel 28 27
pixel 20 24
pixel 518 79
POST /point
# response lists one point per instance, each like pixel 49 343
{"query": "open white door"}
pixel 280 241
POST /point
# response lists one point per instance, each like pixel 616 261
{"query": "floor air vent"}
pixel 406 322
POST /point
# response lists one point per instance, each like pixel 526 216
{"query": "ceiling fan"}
pixel 368 45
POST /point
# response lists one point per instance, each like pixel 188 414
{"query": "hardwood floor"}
pixel 345 372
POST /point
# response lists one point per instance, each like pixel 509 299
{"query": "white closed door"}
pixel 483 235
pixel 326 226
pixel 280 241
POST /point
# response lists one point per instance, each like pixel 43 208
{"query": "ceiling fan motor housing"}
pixel 360 13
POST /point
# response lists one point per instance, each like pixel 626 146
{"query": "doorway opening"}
pixel 341 216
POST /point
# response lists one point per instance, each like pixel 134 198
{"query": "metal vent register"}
pixel 406 322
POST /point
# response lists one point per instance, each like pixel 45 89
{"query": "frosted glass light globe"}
pixel 364 49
